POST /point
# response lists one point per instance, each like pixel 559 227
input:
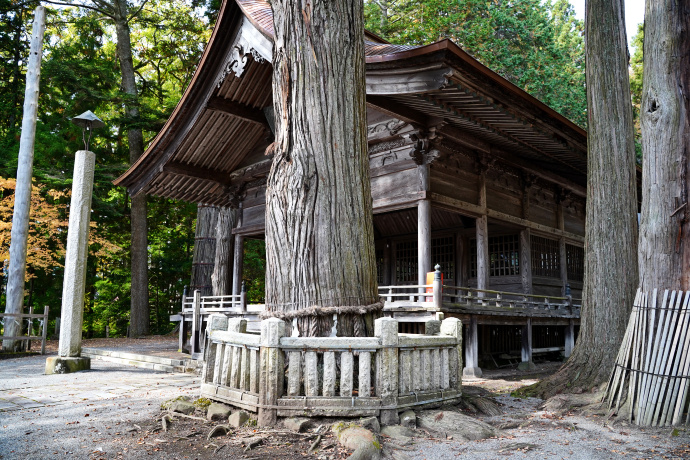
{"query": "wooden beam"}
pixel 476 211
pixel 196 172
pixel 398 110
pixel 237 109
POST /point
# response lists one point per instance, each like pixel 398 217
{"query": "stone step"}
pixel 134 363
pixel 99 352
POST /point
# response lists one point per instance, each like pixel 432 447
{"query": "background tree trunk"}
pixel 319 231
pixel 611 228
pixel 139 311
pixel 204 249
pixel 221 279
pixel 664 225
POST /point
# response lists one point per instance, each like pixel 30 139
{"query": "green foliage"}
pixel 636 86
pixel 80 71
pixel 254 272
pixel 537 46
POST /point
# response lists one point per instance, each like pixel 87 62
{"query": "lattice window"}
pixel 406 262
pixel 443 253
pixel 575 255
pixel 504 256
pixel 379 267
pixel 546 260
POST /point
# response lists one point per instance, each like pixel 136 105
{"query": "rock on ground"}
pixel 297 424
pixel 217 411
pixel 399 434
pixel 183 407
pixel 238 419
pixel 455 424
pixel 408 419
pixel 361 440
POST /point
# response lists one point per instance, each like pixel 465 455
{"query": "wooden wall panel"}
pixel 399 183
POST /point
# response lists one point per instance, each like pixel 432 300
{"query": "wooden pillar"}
pixel 238 265
pixel 472 350
pixel 482 254
pixel 423 240
pixel 526 260
pixel 527 363
pixel 460 262
pixel 561 247
pixel 569 338
pixel 387 268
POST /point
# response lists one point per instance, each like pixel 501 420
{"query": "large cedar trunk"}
pixel 611 228
pixel 665 218
pixel 204 256
pixel 139 311
pixel 319 232
pixel 221 279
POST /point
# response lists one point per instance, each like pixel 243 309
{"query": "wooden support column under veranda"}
pixel 472 350
pixel 569 338
pixel 562 254
pixel 238 265
pixel 526 363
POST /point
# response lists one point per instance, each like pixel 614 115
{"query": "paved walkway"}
pixel 52 416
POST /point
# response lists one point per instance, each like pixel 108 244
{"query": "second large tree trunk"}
pixel 611 228
pixel 319 232
pixel 665 123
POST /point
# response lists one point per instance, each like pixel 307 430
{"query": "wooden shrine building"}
pixel 467 170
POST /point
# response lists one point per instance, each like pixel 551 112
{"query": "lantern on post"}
pixel 88 121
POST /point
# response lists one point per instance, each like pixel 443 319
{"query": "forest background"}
pixel 538 46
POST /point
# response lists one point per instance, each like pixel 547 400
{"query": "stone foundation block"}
pixel 60 365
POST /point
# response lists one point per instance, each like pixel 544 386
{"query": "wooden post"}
pixel 243 298
pixel 44 334
pixel 482 254
pixel 438 288
pixel 238 265
pixel 387 269
pixel 22 194
pixel 30 328
pixel 216 322
pixel 527 363
pixel 194 342
pixel 569 338
pixel 526 261
pixel 423 241
pixel 386 329
pixel 472 351
pixel 272 370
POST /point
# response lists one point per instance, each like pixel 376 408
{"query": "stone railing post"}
pixel 243 298
pixel 386 330
pixel 216 322
pixel 438 287
pixel 272 370
pixel 453 327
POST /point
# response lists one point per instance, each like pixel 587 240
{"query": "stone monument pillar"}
pixel 69 357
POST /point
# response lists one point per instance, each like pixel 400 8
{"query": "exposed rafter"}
pixel 238 110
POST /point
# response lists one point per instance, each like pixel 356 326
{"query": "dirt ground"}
pixel 118 415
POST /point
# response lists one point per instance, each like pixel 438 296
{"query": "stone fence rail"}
pixel 276 375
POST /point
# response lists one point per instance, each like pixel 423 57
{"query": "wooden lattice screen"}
pixel 443 253
pixel 545 257
pixel 504 254
pixel 379 266
pixel 406 262
pixel 575 255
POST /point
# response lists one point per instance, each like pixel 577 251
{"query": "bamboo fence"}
pixel 652 371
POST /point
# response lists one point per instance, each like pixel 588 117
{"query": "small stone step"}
pixel 99 352
pixel 133 362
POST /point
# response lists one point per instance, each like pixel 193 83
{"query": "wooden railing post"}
pixel 44 333
pixel 243 298
pixel 453 327
pixel 196 326
pixel 30 327
pixel 272 370
pixel 386 329
pixel 438 287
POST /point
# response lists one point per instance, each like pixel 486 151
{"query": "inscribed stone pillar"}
pixel 74 284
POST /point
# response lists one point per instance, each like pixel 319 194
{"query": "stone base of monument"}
pixel 60 365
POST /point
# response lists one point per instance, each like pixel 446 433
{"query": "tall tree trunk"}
pixel 139 306
pixel 319 231
pixel 204 249
pixel 611 228
pixel 222 266
pixel 665 123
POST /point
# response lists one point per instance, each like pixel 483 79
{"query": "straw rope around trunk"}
pixel 652 371
pixel 322 311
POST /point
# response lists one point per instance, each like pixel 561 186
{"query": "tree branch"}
pixel 80 5
pixel 133 15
